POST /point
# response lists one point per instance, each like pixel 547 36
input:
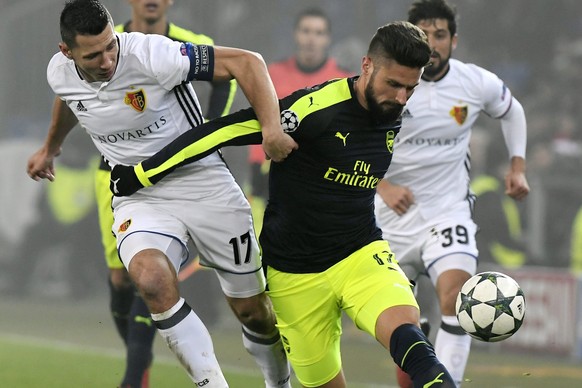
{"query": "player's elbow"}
pixel 255 60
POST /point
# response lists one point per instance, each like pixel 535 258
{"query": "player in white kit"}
pixel 132 95
pixel 424 205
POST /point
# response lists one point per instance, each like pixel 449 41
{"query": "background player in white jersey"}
pixel 132 95
pixel 424 204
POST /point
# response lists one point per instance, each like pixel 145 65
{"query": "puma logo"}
pixel 435 381
pixel 342 137
pixel 114 182
pixel 311 103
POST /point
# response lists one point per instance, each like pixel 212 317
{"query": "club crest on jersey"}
pixel 390 135
pixel 137 100
pixel 459 113
pixel 124 226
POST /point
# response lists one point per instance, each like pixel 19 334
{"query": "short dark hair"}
pixel 433 9
pixel 83 17
pixel 401 41
pixel 313 12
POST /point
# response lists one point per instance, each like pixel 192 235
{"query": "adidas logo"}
pixel 81 107
pixel 406 114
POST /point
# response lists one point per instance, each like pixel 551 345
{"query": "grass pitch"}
pixel 62 344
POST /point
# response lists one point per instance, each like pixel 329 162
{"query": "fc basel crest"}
pixel 124 226
pixel 137 100
pixel 390 141
pixel 459 113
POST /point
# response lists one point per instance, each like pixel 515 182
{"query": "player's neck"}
pixel 160 27
pixel 438 76
pixel 310 64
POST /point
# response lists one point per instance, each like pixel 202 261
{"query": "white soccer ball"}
pixel 490 306
pixel 289 121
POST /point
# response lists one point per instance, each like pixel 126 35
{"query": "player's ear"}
pixel 454 41
pixel 65 50
pixel 367 65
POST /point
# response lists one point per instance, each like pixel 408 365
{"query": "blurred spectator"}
pixel 309 65
pixel 500 237
pixel 576 243
pixel 44 261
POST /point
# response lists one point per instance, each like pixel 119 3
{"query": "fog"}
pixel 535 46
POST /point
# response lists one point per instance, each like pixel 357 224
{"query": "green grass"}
pixel 61 344
pixel 24 364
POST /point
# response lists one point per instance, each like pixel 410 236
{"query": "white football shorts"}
pixel 208 207
pixel 431 247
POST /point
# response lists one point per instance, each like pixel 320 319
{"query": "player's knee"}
pixel 253 312
pixel 153 276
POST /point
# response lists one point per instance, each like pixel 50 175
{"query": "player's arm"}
pixel 40 164
pixel 250 71
pixel 397 198
pixel 513 125
pixel 240 128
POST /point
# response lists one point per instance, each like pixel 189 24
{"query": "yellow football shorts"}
pixel 309 306
pixel 103 195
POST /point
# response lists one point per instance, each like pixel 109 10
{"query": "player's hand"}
pixel 41 164
pixel 124 181
pixel 397 198
pixel 278 145
pixel 516 185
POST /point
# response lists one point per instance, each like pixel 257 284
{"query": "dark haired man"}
pixel 129 312
pixel 131 93
pixel 310 65
pixel 323 251
pixel 424 205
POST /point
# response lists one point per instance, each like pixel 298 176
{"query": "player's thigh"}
pixel 374 283
pixel 223 232
pixel 408 252
pixel 105 214
pixel 242 285
pixel 141 224
pixel 308 318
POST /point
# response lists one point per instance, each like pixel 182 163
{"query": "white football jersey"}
pixel 431 152
pixel 144 106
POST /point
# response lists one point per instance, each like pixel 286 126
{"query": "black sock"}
pixel 140 338
pixel 414 354
pixel 120 305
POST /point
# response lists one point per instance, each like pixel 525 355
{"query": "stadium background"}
pixel 535 46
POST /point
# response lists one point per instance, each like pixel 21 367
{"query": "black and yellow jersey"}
pixel 223 93
pixel 321 202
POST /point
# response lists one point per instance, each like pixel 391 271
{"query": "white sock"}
pixel 190 341
pixel 267 349
pixel 452 346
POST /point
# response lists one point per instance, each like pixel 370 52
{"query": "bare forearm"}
pixel 250 71
pixel 62 121
pixel 255 82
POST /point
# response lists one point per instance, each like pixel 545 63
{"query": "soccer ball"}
pixel 490 306
pixel 289 121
